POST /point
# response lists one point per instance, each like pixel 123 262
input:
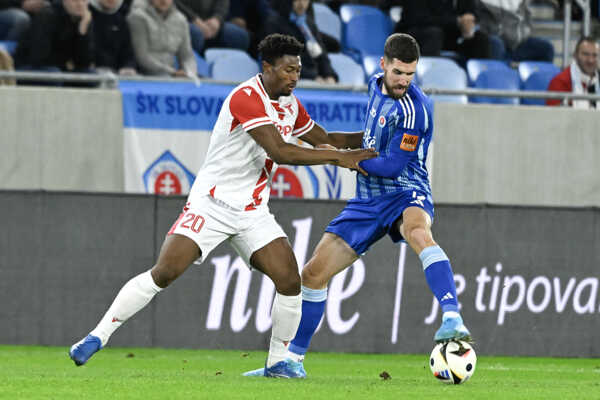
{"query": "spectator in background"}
pixel 59 39
pixel 581 76
pixel 508 22
pixel 6 64
pixel 15 18
pixel 292 18
pixel 208 27
pixel 160 35
pixel 336 4
pixel 250 16
pixel 444 25
pixel 112 38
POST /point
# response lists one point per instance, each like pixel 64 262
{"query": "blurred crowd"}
pixel 167 37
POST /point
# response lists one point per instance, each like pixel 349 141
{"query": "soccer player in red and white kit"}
pixel 253 133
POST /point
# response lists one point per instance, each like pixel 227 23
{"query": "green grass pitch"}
pixel 34 372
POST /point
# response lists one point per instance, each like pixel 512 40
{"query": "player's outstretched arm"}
pixel 392 164
pixel 281 152
pixel 341 140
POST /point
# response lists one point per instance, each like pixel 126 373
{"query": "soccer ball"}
pixel 453 362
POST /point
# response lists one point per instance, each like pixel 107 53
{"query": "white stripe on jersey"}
pixel 403 112
pixel 413 113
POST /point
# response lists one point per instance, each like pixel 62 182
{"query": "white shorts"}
pixel 209 221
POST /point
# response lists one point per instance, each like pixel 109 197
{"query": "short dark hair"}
pixel 590 39
pixel 277 45
pixel 403 47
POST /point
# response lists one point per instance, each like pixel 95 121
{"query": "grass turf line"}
pixel 35 372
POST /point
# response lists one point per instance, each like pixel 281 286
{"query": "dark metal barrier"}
pixel 527 278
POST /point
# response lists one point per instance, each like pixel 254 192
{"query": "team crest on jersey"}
pixel 381 121
pixel 168 176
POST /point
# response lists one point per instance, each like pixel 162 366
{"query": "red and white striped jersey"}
pixel 237 170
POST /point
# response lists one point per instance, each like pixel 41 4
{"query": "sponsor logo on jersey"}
pixel 168 176
pixel 409 142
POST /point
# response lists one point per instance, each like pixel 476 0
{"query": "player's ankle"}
pixel 295 357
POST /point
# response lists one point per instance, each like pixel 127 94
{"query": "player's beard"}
pixel 390 89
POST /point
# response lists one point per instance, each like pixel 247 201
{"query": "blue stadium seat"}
pixel 364 30
pixel 477 66
pixel 328 21
pixel 349 11
pixel 507 79
pixel 212 54
pixel 203 67
pixel 442 73
pixel 349 72
pixel 426 63
pixel 536 75
pixel 366 34
pixel 9 46
pixel 238 67
pixel 371 64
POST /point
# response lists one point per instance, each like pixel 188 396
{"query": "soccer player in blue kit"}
pixel 394 199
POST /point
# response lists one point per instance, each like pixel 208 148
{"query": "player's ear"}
pixel 266 67
pixel 381 62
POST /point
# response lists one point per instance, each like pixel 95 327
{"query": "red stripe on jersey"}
pixel 234 124
pixel 263 121
pixel 260 185
pixel 176 222
pixel 304 129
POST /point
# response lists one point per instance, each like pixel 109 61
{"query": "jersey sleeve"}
pixel 248 109
pixel 304 123
pixel 402 149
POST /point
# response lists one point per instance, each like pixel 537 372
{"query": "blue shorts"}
pixel 364 221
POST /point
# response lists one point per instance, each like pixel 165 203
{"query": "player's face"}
pixel 286 73
pixel 397 76
pixel 587 57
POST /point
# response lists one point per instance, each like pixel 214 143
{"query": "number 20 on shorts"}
pixel 191 221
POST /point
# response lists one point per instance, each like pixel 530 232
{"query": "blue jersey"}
pixel 400 130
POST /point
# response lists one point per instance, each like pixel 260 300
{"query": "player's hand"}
pixel 351 158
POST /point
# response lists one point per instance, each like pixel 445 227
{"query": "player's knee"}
pixel 313 279
pixel 419 236
pixel 288 284
pixel 164 273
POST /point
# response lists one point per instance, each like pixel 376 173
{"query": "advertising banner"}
pixel 526 277
pixel 167 129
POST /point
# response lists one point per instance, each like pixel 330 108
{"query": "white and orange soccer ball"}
pixel 453 362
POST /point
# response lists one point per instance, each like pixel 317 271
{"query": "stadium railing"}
pixel 109 80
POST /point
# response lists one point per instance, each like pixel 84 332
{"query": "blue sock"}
pixel 439 276
pixel 313 307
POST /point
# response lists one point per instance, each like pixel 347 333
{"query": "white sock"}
pixel 450 314
pixel 132 298
pixel 285 314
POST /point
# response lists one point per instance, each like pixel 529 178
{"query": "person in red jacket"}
pixel 581 76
